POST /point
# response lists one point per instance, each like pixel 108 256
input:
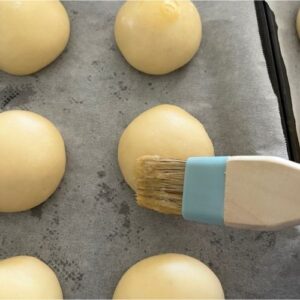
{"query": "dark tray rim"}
pixel 268 30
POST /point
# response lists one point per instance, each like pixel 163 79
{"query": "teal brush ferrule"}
pixel 204 189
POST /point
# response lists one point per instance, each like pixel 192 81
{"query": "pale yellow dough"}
pixel 32 160
pixel 158 37
pixel 32 34
pixel 164 130
pixel 298 23
pixel 172 276
pixel 25 277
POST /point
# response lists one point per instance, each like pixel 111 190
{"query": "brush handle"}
pixel 251 192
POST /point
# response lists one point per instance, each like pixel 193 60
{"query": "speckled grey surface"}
pixel 91 231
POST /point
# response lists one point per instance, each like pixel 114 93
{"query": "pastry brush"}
pixel 251 192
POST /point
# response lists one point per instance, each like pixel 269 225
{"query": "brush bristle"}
pixel 160 184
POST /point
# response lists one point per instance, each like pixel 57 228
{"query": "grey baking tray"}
pixel 285 14
pixel 91 230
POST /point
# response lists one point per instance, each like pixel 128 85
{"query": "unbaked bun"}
pixel 25 277
pixel 169 276
pixel 164 130
pixel 32 160
pixel 32 34
pixel 160 36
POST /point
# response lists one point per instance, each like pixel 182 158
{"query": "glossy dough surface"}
pixel 158 37
pixel 25 277
pixel 172 276
pixel 164 130
pixel 32 160
pixel 32 34
pixel 298 23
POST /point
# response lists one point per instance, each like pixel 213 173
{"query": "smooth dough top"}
pixel 298 23
pixel 160 36
pixel 173 276
pixel 164 130
pixel 32 160
pixel 32 34
pixel 25 277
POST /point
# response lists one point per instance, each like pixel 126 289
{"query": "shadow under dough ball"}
pixel 32 160
pixel 169 276
pixel 164 130
pixel 32 34
pixel 26 277
pixel 158 37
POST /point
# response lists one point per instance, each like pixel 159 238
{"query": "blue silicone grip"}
pixel 204 188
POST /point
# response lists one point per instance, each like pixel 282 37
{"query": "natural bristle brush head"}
pixel 160 184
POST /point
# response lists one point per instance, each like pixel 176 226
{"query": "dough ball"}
pixel 32 160
pixel 160 36
pixel 298 23
pixel 32 34
pixel 164 130
pixel 172 276
pixel 25 277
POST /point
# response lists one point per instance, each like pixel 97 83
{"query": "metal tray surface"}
pixel 286 14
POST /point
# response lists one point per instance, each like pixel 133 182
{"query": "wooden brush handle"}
pixel 261 193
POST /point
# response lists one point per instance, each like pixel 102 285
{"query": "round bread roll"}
pixel 164 130
pixel 160 36
pixel 25 277
pixel 172 276
pixel 32 160
pixel 32 34
pixel 298 23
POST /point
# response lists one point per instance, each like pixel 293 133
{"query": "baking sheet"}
pixel 285 14
pixel 91 230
